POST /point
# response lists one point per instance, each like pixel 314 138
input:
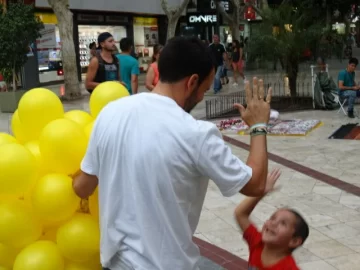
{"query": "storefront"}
pixel 87 28
pixel 146 35
pixel 202 26
pixel 48 50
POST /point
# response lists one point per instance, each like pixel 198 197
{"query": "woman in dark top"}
pixel 237 60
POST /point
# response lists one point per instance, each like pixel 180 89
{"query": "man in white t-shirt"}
pixel 152 161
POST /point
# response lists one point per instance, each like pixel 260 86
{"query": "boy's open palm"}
pixel 272 177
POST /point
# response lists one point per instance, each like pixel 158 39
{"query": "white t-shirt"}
pixel 153 161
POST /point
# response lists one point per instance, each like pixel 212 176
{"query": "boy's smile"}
pixel 279 229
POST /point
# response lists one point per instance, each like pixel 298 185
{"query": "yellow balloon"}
pixel 7 256
pixel 80 117
pixel 17 169
pixel 94 204
pixel 63 145
pixel 34 148
pixel 41 255
pixel 6 138
pixel 17 128
pixel 103 94
pixel 79 238
pixel 88 129
pixel 54 199
pixel 4 268
pixel 79 266
pixel 19 226
pixel 37 108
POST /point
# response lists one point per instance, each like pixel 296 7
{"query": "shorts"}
pixel 238 65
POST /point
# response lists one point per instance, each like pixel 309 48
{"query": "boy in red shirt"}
pixel 285 231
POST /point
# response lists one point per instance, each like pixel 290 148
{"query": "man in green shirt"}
pixel 347 86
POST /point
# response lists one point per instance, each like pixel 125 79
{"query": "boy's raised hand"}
pixel 272 177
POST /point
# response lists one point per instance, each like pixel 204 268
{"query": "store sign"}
pixel 90 18
pixel 117 19
pixel 224 4
pixel 209 19
pixel 48 37
pixel 145 21
pixel 208 6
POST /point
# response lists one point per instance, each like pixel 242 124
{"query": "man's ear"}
pixel 192 84
pixel 295 242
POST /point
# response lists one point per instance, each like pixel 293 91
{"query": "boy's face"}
pixel 279 230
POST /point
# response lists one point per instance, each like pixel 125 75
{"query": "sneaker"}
pixel 235 84
pixel 351 114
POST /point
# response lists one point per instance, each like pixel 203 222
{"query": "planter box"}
pixel 9 101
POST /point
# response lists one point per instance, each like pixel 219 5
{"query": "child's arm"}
pixel 243 211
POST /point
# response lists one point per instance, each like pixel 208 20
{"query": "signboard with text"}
pixel 210 5
pixel 202 19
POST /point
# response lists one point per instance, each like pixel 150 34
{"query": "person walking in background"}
pixel 237 60
pixel 129 66
pixel 152 76
pixel 104 66
pixel 218 52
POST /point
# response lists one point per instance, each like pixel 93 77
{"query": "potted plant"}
pixel 19 27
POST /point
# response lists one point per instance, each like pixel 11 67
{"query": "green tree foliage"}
pixel 19 27
pixel 285 33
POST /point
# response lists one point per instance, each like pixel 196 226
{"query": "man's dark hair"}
pixel 125 44
pixel 301 227
pixel 354 61
pixel 183 57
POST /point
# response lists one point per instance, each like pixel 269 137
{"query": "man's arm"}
pixel 135 77
pixel 245 208
pixel 341 79
pixel 91 73
pixel 85 184
pixel 86 181
pixel 343 87
pixel 258 162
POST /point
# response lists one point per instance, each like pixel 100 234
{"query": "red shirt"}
pixel 254 239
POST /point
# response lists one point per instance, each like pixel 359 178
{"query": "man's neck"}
pixel 106 54
pixel 126 53
pixel 169 91
pixel 272 255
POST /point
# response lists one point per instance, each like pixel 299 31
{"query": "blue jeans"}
pixel 217 81
pixel 350 95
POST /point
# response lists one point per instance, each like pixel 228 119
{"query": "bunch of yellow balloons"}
pixel 42 225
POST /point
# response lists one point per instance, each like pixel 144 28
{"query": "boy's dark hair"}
pixel 301 227
pixel 354 61
pixel 125 44
pixel 183 57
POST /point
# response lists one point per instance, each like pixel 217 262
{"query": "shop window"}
pixel 89 34
pixel 146 35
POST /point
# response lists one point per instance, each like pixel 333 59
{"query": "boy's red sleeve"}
pixel 252 236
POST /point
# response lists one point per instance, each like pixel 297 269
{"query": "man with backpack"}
pixel 104 66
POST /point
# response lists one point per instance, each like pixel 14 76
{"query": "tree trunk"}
pixel 14 78
pixel 173 14
pixel 172 23
pixel 292 72
pixel 65 24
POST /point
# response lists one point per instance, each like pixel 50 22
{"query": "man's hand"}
pixel 271 180
pixel 258 109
